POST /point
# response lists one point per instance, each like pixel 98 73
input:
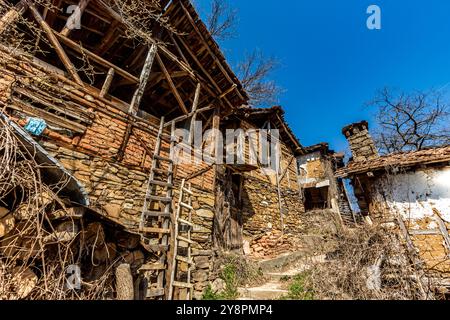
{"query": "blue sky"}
pixel 331 64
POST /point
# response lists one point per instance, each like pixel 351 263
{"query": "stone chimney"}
pixel 361 143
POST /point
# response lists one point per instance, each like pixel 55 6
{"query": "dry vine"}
pixel 37 249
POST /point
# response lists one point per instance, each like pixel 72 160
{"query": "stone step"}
pixel 268 291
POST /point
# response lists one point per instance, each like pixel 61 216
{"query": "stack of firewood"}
pixel 40 240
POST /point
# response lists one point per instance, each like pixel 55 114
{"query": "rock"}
pixel 113 210
pixel 24 281
pixel 3 212
pixel 246 247
pixel 106 253
pixel 218 285
pixel 24 212
pixel 198 295
pixel 202 262
pixel 200 276
pixel 7 224
pixel 204 213
pixel 128 241
pixel 65 232
pixel 135 259
pixel 198 252
pixel 73 213
pixel 94 235
pixel 206 200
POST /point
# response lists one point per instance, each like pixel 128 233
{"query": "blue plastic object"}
pixel 36 126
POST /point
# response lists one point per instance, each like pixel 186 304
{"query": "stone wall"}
pixel 261 213
pixel 421 199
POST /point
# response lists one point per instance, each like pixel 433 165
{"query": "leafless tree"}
pixel 255 69
pixel 222 20
pixel 411 121
pixel 254 72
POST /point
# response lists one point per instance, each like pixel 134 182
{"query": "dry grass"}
pixel 369 263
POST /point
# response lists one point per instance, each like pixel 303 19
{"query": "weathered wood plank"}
pixel 136 101
pixel 55 43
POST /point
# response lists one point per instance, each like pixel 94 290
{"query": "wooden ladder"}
pixel 155 225
pixel 180 278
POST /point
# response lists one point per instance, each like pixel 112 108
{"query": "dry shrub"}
pixel 33 261
pixel 369 263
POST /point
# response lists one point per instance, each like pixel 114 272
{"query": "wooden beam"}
pixel 286 169
pixel 136 101
pixel 55 43
pixel 108 40
pixel 75 46
pixel 194 113
pixel 163 49
pixel 29 109
pixel 107 83
pixel 187 116
pixel 172 86
pixel 205 72
pixel 77 14
pixel 205 43
pixel 12 15
pixel 443 229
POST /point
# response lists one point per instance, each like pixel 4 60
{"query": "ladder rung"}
pixel 157 247
pixel 185 260
pixel 156 214
pixel 180 238
pixel 183 285
pixel 182 221
pixel 189 192
pixel 152 267
pixel 186 206
pixel 161 183
pixel 161 171
pixel 161 199
pixel 166 137
pixel 162 158
pixel 155 230
pixel 153 293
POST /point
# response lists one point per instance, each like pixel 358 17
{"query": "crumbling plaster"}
pixel 414 195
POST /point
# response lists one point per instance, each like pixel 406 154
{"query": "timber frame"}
pixel 180 73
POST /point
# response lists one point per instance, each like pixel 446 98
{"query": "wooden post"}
pixel 136 101
pixel 56 45
pixel 443 230
pixel 75 15
pixel 12 15
pixel 194 113
pixel 107 83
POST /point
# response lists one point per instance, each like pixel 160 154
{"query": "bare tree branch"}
pixel 254 72
pixel 222 20
pixel 410 121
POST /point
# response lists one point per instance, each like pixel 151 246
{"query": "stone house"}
pixel 269 200
pixel 320 188
pixel 101 123
pixel 409 191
